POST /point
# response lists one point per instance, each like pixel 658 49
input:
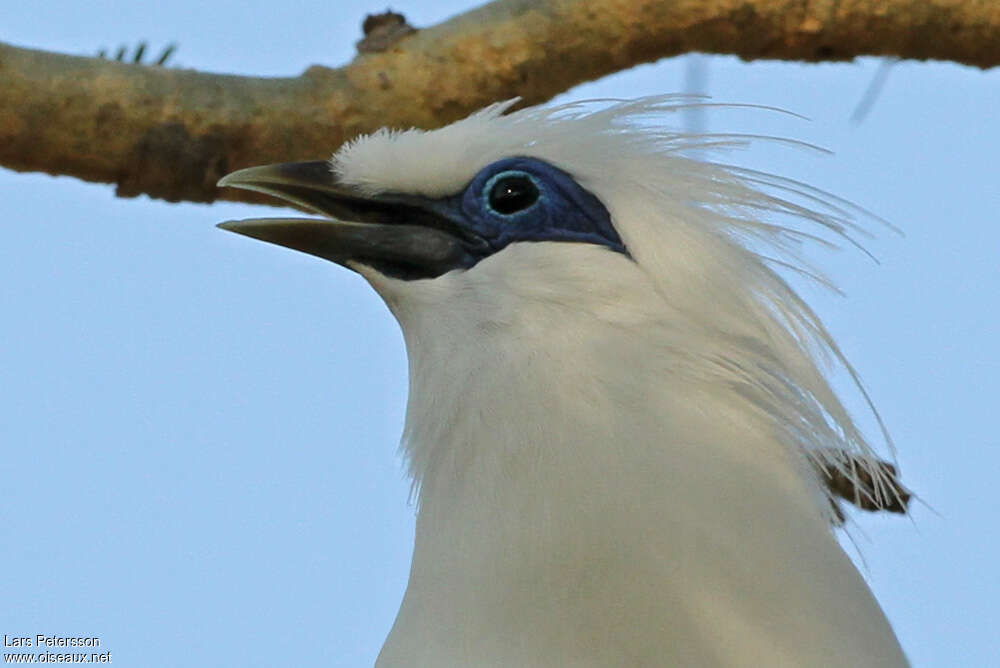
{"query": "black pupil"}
pixel 511 194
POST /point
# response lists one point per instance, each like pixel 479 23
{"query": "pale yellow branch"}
pixel 172 133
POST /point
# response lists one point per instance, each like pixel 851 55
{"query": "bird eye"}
pixel 512 193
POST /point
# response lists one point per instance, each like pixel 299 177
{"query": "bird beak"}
pixel 401 235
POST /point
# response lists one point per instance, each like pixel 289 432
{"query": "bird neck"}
pixel 586 499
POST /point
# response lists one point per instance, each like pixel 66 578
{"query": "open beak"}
pixel 404 236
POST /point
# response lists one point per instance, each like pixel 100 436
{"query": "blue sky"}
pixel 198 432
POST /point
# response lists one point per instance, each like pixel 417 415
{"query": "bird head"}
pixel 575 204
pixel 586 212
pixel 393 210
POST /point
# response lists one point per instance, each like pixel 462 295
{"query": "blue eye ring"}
pixel 511 192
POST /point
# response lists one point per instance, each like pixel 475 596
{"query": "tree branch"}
pixel 172 133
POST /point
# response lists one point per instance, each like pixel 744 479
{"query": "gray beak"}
pixel 400 235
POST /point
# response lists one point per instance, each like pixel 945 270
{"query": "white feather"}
pixel 613 456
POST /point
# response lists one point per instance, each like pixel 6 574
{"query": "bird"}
pixel 623 443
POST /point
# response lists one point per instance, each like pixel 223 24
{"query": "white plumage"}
pixel 615 455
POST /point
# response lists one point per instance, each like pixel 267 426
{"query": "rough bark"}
pixel 172 133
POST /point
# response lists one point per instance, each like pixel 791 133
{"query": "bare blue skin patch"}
pixel 522 200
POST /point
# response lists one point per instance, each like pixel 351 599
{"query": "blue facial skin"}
pixel 563 210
